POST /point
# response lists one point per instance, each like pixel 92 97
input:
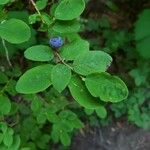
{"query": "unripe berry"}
pixel 56 42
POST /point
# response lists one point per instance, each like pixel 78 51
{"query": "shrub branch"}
pixel 6 52
pixel 33 3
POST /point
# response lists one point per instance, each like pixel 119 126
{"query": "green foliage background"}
pixel 47 95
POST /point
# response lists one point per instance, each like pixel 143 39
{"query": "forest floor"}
pixel 112 137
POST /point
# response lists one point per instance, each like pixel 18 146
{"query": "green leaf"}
pixel 1 137
pixel 32 41
pixel 72 50
pixel 5 105
pixel 89 111
pixel 3 2
pixel 81 95
pixel 3 127
pixel 101 112
pixel 39 53
pixel 11 87
pixel 52 117
pixel 34 18
pixel 47 19
pixel 70 120
pixel 8 137
pixel 60 77
pixel 77 124
pixel 41 4
pixel 143 23
pixel 69 9
pixel 41 117
pixel 16 143
pixel 35 133
pixel 3 78
pixel 143 47
pixel 43 141
pixel 142 37
pixel 10 131
pixel 35 80
pixel 55 134
pixel 65 138
pixel 92 62
pixel 107 87
pixel 18 14
pixel 8 140
pixel 36 103
pixel 15 31
pixel 66 26
pixel 139 75
pixel 67 114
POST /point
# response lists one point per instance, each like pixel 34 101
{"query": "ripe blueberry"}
pixel 56 42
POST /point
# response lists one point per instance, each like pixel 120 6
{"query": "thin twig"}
pixel 6 52
pixel 33 3
pixel 59 57
pixel 62 61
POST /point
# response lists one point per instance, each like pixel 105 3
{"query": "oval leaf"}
pixel 69 9
pixel 60 77
pixel 81 94
pixel 72 50
pixel 2 2
pixel 65 138
pixel 101 112
pixel 92 62
pixel 5 105
pixel 107 87
pixel 8 139
pixel 16 143
pixel 35 80
pixel 41 4
pixel 39 53
pixel 143 47
pixel 66 26
pixel 15 31
pixel 3 78
pixel 142 23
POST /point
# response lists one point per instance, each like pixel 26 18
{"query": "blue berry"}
pixel 56 42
